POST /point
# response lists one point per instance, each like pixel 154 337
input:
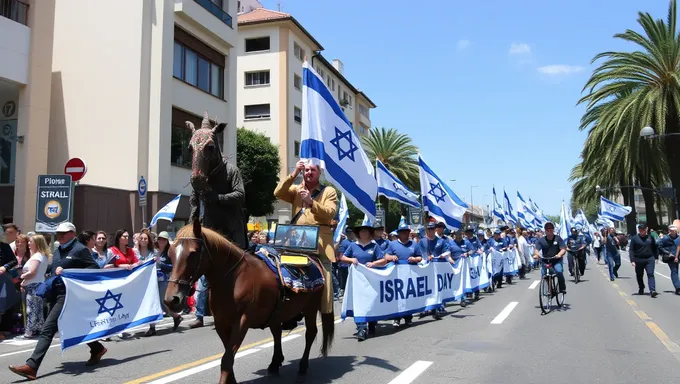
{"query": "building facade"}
pixel 122 88
pixel 272 47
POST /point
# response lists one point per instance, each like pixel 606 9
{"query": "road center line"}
pixel 534 284
pixel 411 372
pixel 504 313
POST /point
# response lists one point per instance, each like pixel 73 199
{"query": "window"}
pixel 333 83
pixel 257 111
pixel 197 70
pixel 328 80
pixel 180 155
pixel 257 44
pixel 257 78
pixel 296 148
pixel 297 82
pixel 297 114
pixel 299 52
pixel 363 110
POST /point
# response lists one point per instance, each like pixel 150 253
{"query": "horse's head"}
pixel 206 153
pixel 188 265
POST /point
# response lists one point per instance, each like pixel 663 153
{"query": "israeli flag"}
pixel 438 199
pixel 328 140
pixel 604 222
pixel 392 188
pixel 343 216
pixel 497 207
pixel 104 302
pixel 167 212
pixel 542 219
pixel 509 216
pixel 612 210
pixel 524 212
pixel 402 222
pixel 565 223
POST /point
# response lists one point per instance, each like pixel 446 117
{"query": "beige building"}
pixel 272 47
pixel 124 77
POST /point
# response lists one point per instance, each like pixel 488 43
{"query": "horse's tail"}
pixel 328 329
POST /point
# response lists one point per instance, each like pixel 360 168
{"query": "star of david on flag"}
pixel 328 140
pixel 612 210
pixel 109 296
pixel 438 199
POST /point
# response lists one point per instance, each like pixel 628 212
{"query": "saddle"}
pixel 296 271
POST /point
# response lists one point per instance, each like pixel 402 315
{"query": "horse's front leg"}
pixel 277 358
pixel 232 335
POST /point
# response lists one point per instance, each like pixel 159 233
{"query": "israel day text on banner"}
pixel 397 290
pixel 104 302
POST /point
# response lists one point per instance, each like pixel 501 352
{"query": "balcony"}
pixel 15 10
pixel 216 10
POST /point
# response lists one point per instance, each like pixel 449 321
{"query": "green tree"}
pixel 553 218
pixel 258 161
pixel 628 91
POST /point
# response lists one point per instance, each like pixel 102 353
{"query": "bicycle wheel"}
pixel 545 296
pixel 577 274
pixel 556 288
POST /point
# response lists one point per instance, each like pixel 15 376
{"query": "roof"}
pixel 343 78
pixel 262 15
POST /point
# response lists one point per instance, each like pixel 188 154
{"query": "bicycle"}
pixel 576 266
pixel 549 289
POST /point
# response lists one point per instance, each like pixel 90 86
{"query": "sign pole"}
pixel 72 207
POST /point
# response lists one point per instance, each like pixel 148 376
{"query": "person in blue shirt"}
pixel 367 252
pixel 460 247
pixel 441 230
pixel 434 247
pixel 379 229
pixel 575 245
pixel 501 245
pixel 483 242
pixel 402 250
pixel 476 249
pixel 668 248
pixel 341 268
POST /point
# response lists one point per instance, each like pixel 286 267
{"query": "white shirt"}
pixel 13 245
pixel 596 242
pixel 42 268
pixel 522 245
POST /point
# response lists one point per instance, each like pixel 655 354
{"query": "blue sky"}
pixel 487 90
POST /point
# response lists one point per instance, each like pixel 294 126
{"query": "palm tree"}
pixel 398 153
pixel 630 90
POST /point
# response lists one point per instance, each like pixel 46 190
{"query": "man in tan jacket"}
pixel 313 204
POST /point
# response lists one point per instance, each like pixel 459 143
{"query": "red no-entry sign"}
pixel 76 168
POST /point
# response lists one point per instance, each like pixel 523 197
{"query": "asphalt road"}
pixel 605 334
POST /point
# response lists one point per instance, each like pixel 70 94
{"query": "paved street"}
pixel 605 334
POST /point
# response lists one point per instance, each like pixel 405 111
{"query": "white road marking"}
pixel 411 373
pixel 24 351
pixel 504 313
pixel 534 284
pixel 660 274
pixel 201 368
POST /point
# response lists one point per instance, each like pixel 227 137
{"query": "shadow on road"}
pixel 321 370
pixel 77 368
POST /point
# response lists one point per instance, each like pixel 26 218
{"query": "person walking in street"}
pixel 669 250
pixel 70 254
pixel 597 245
pixel 33 273
pixel 644 255
pixel 612 255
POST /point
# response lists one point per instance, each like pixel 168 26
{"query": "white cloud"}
pixel 519 48
pixel 462 44
pixel 560 69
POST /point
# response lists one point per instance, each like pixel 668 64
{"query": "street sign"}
pixel 54 202
pixel 141 190
pixel 380 217
pixel 415 215
pixel 76 168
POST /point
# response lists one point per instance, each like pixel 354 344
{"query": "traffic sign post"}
pixel 141 190
pixel 76 169
pixel 54 203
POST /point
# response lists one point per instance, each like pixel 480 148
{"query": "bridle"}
pixel 193 278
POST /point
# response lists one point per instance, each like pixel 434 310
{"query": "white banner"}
pixel 104 302
pixel 374 294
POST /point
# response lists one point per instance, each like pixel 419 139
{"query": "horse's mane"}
pixel 213 239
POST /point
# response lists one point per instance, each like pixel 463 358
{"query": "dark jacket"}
pixel 73 255
pixel 224 205
pixel 643 248
pixel 667 245
pixel 7 257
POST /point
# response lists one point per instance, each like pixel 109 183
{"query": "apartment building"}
pixel 125 76
pixel 272 47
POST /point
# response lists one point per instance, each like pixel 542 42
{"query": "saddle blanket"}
pixel 298 279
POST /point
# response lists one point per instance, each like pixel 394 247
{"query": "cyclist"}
pixel 552 246
pixel 576 243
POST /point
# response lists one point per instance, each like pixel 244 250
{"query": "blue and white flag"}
pixel 167 212
pixel 343 216
pixel 538 213
pixel 508 210
pixel 565 223
pixel 402 222
pixel 612 210
pixel 328 140
pixel 497 207
pixel 104 302
pixel 392 188
pixel 438 199
pixel 524 213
